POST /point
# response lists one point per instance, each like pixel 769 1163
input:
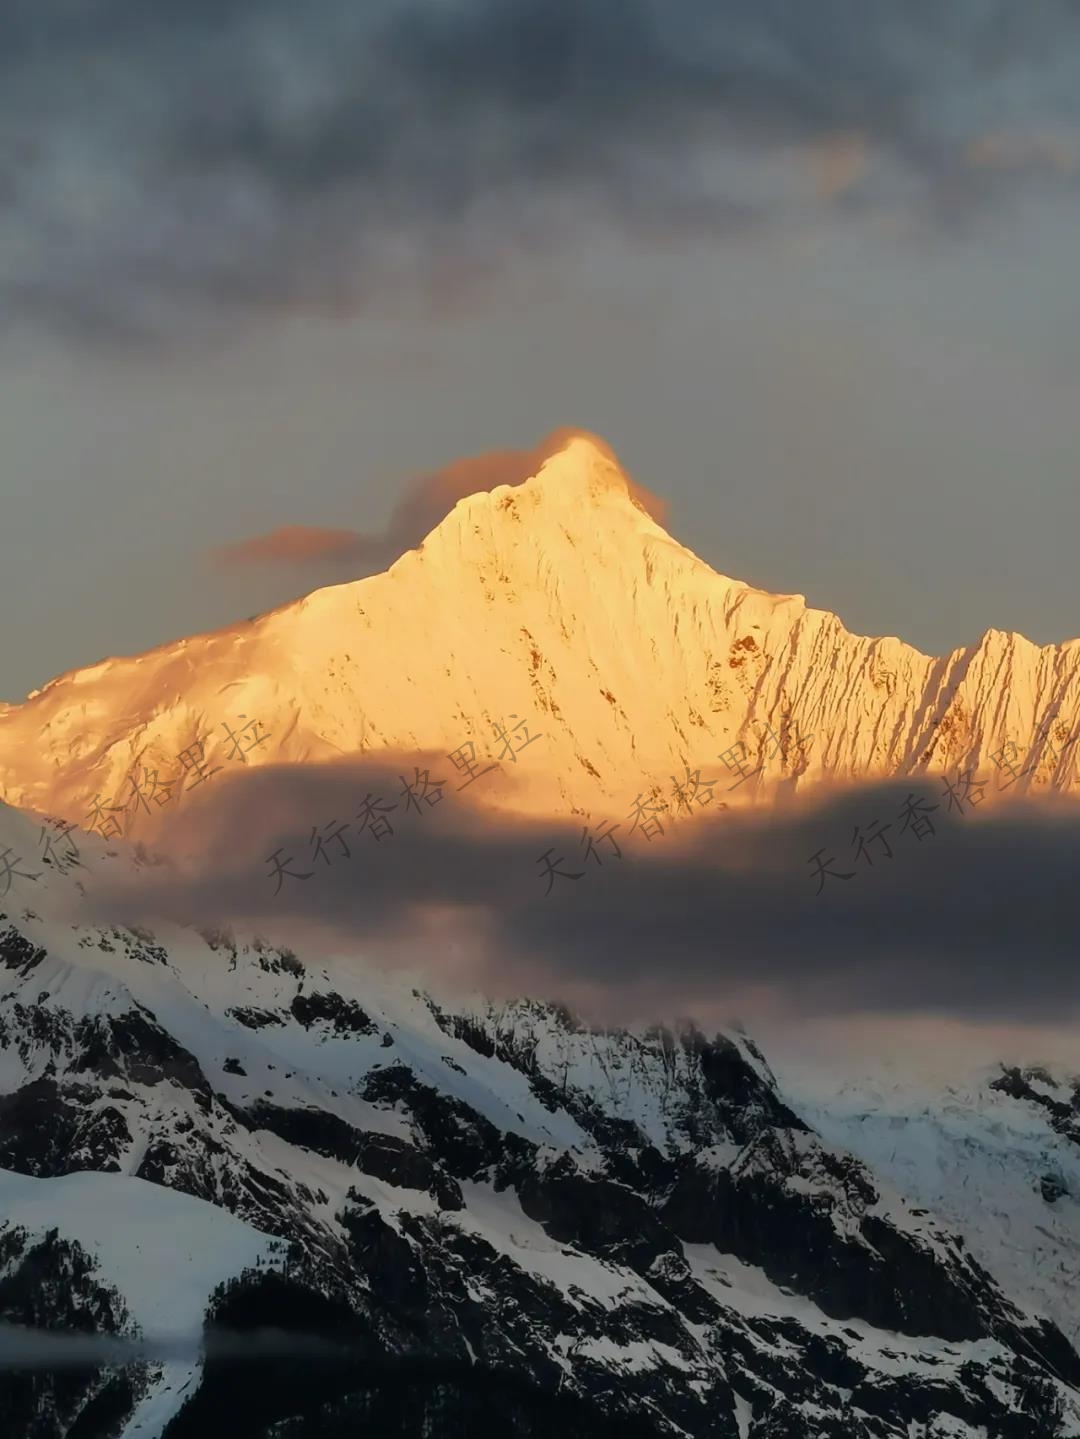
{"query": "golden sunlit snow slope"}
pixel 562 603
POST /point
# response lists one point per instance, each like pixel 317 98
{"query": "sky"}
pixel 267 266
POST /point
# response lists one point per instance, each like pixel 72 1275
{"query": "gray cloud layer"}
pixel 976 920
pixel 23 1348
pixel 254 153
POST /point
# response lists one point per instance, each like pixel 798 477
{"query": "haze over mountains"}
pixel 558 605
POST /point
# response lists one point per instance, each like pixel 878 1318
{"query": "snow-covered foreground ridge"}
pixel 559 602
pixel 510 1219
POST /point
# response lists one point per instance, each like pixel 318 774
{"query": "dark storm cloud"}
pixel 977 919
pixel 253 153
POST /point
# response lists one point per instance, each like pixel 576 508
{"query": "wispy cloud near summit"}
pixel 427 500
pixel 292 545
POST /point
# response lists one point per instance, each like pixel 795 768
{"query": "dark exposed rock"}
pixel 344 1016
pixel 146 949
pixel 256 1018
pixel 48 1129
pixel 1053 1187
pixel 1018 1084
pixel 468 1145
pixel 597 1215
pixel 280 961
pixel 134 1046
pixel 392 1264
pixel 395 1161
pixel 17 953
pixel 798 1246
pixel 314 1129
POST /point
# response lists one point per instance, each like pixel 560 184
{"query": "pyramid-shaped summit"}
pixel 580 486
pixel 562 602
pixel 583 467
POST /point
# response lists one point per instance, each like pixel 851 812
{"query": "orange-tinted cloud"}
pixel 290 545
pixel 1002 151
pixel 653 505
pixel 426 502
pixel 838 162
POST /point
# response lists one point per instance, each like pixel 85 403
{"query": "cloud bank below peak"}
pixel 969 919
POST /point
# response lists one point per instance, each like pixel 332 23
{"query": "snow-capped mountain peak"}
pixel 560 600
